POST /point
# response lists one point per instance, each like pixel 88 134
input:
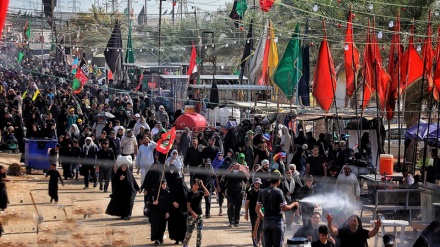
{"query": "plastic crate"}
pixel 36 155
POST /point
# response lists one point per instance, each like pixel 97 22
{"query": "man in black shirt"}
pixel 49 126
pixel 106 159
pixel 261 153
pixel 210 152
pixel 323 240
pixel 310 231
pixel 193 157
pixel 195 217
pixel 206 174
pixel 264 174
pixel 235 183
pixel 353 235
pixel 316 164
pixel 273 201
pixel 251 203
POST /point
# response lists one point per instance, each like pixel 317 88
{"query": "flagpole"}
pixel 160 27
pixel 354 68
pixel 363 106
pixel 436 136
pixel 420 100
pixel 379 121
pixel 425 145
pixel 42 33
pixel 333 86
pixel 399 126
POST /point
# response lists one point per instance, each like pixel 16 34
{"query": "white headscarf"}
pixel 76 132
pixel 86 147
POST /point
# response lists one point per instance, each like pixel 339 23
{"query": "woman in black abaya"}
pixel 178 210
pixel 159 212
pixel 124 188
pixel 4 201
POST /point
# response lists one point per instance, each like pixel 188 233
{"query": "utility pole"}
pixel 181 7
pixel 160 29
pixel 145 13
pixel 200 39
pixel 173 11
pixel 42 33
pixel 128 12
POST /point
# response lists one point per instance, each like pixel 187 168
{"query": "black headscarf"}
pixel 181 185
pixel 432 234
pixel 128 176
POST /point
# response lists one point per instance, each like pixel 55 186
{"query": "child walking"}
pixel 53 182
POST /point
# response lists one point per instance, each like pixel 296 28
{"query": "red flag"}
pixel 81 77
pixel 110 74
pixel 436 89
pixel 3 10
pixel 324 78
pixel 376 78
pixel 381 76
pixel 351 57
pixel 192 69
pixel 428 55
pixel 166 141
pixel 411 65
pixel 264 71
pixel 265 5
pixel 140 83
pixel 394 62
pixel 369 82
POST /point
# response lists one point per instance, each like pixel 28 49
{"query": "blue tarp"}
pixel 423 134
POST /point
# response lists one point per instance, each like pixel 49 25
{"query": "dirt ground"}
pixel 79 220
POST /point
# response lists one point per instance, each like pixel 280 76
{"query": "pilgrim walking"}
pixel 54 175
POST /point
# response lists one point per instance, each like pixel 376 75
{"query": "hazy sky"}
pixel 84 5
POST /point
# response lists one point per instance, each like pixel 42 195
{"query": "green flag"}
pixel 76 84
pixel 20 57
pixel 241 7
pixel 27 30
pixel 129 55
pixel 289 69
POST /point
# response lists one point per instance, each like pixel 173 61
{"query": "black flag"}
pixel 113 51
pixel 248 46
pixel 234 15
pixel 48 6
pixel 303 85
pixel 213 96
pixel 141 16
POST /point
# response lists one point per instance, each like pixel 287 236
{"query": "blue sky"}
pixel 84 5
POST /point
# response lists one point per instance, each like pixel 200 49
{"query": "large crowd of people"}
pixel 107 136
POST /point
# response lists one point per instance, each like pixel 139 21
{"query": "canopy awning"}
pixel 233 87
pixel 423 131
pixel 260 105
pixel 206 77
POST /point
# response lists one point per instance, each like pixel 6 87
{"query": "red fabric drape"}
pixel 3 10
pixel 266 5
pixel 324 78
pixel 394 61
pixel 436 88
pixel 411 65
pixel 351 57
pixel 376 78
pixel 428 55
